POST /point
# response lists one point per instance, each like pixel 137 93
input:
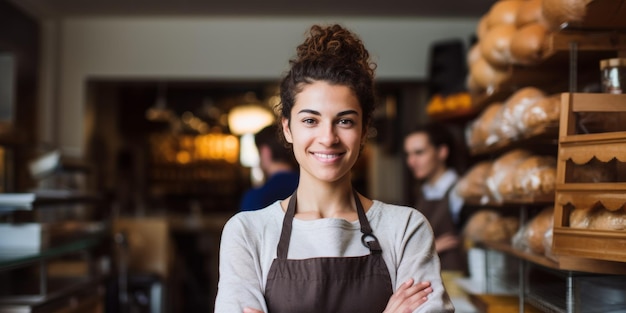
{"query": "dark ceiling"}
pixel 394 8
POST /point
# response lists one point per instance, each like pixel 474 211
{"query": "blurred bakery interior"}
pixel 126 142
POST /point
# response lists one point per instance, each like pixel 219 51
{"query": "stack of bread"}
pixel 525 110
pixel 514 175
pixel 535 236
pixel 598 218
pixel 472 187
pixel 489 225
pixel 514 32
pixel 519 174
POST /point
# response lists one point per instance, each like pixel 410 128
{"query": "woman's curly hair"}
pixel 334 55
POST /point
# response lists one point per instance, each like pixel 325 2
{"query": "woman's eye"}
pixel 346 122
pixel 308 121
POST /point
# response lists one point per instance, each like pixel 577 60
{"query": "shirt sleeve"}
pixel 240 273
pixel 418 260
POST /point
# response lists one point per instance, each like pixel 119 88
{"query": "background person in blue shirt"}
pixel 279 167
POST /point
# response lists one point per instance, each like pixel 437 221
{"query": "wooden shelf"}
pixel 563 263
pixel 462 114
pixel 546 199
pixel 612 196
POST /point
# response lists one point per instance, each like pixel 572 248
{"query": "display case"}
pixel 591 179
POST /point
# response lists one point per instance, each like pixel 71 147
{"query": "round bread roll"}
pixel 503 12
pixel 480 130
pixel 472 184
pixel 502 168
pixel 472 85
pixel 609 220
pixel 558 12
pixel 535 176
pixel 580 218
pixel 527 44
pixel 488 225
pixel 486 76
pixel 473 55
pixel 514 108
pixel 495 47
pixel 542 111
pixel 537 228
pixel 528 12
pixel 482 28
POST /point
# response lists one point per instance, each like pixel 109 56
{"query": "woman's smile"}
pixel 326 130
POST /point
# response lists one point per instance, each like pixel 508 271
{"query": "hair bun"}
pixel 334 44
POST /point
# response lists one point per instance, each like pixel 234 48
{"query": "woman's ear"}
pixel 286 130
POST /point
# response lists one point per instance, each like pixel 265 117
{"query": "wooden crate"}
pixel 575 150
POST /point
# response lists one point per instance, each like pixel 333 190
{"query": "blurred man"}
pixel 428 151
pixel 279 167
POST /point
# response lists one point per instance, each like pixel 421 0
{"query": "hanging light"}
pixel 249 118
pixel 159 111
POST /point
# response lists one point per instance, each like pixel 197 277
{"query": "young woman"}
pixel 327 248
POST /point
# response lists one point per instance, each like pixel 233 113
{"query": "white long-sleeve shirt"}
pixel 249 242
pixel 438 190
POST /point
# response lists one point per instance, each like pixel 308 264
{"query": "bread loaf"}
pixel 609 220
pixel 510 120
pixel 480 130
pixel 502 168
pixel 482 27
pixel 489 225
pixel 530 237
pixel 473 55
pixel 503 12
pixel 486 76
pixel 472 184
pixel 580 218
pixel 527 43
pixel 543 111
pixel 495 47
pixel 528 12
pixel 535 176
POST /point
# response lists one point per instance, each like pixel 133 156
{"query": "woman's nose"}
pixel 328 135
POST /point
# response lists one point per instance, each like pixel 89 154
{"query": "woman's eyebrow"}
pixel 309 111
pixel 342 113
pixel 348 112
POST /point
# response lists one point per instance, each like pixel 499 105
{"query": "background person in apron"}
pixel 327 248
pixel 429 149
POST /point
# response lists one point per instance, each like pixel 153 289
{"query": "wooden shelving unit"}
pixel 562 263
pixel 570 59
pixel 579 149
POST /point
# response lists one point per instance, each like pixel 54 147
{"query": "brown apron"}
pixel 437 212
pixel 328 284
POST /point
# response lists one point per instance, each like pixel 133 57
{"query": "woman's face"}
pixel 326 131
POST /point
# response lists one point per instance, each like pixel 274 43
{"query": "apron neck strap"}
pixel 368 239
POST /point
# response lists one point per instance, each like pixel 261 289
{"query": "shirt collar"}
pixel 439 188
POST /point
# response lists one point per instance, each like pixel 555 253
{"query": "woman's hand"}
pixel 408 297
pixel 251 310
